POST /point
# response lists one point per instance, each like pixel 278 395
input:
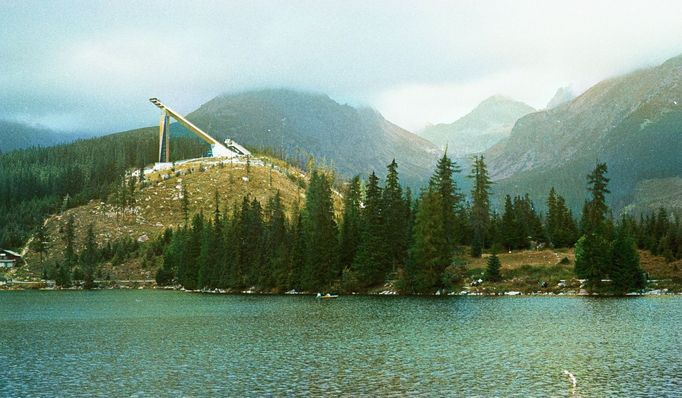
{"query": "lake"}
pixel 166 343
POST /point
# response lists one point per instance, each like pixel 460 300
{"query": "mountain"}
pixel 480 129
pixel 15 135
pixel 632 122
pixel 296 124
pixel 562 96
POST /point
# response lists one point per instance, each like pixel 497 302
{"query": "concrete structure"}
pixel 228 150
pixel 8 258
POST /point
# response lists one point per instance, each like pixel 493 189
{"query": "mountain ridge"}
pixel 488 123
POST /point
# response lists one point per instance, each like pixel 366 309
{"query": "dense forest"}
pixel 386 234
pixel 36 182
pixel 385 231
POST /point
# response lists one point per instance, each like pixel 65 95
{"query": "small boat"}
pixel 326 296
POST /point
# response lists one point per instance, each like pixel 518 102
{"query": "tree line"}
pixel 384 233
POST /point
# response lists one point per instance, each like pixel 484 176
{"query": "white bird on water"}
pixel 574 381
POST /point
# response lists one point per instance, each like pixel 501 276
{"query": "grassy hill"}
pixel 158 206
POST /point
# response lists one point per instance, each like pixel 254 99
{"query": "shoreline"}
pixel 41 286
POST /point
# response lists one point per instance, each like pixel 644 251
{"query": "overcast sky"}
pixel 91 66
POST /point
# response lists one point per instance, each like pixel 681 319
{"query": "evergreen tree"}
pixel 444 184
pixel 297 260
pixel 560 228
pixel 320 234
pixel 492 271
pixel 40 242
pixel 372 261
pixel 276 247
pixel 508 226
pixel 480 209
pixel 395 218
pixel 349 239
pixel 626 273
pixel 430 251
pixel 592 260
pixel 188 264
pixel 595 211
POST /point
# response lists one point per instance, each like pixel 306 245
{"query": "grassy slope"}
pixel 158 207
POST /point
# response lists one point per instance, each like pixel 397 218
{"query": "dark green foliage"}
pixel 349 239
pixel 592 260
pixel 396 216
pixel 480 208
pixel 41 242
pixel 372 260
pixel 625 271
pixel 560 227
pixel 595 211
pixel 320 235
pixel 430 251
pixel 444 184
pixel 492 271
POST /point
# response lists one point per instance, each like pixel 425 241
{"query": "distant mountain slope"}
pixel 481 128
pixel 354 141
pixel 17 136
pixel 562 96
pixel 633 123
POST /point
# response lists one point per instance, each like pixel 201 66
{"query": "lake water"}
pixel 164 343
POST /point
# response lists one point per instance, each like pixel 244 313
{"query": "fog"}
pixel 91 66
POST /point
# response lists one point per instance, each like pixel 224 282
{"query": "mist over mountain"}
pixel 14 135
pixel 632 122
pixel 562 96
pixel 491 121
pixel 297 124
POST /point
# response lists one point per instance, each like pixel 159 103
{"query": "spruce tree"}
pixel 442 182
pixel 508 227
pixel 492 271
pixel 320 234
pixel 625 272
pixel 349 239
pixel 395 218
pixel 592 252
pixel 372 259
pixel 430 251
pixel 480 208
pixel 40 242
pixel 275 273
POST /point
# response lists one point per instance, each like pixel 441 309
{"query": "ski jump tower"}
pixel 229 149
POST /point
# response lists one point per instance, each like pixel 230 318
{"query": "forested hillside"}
pixel 36 182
